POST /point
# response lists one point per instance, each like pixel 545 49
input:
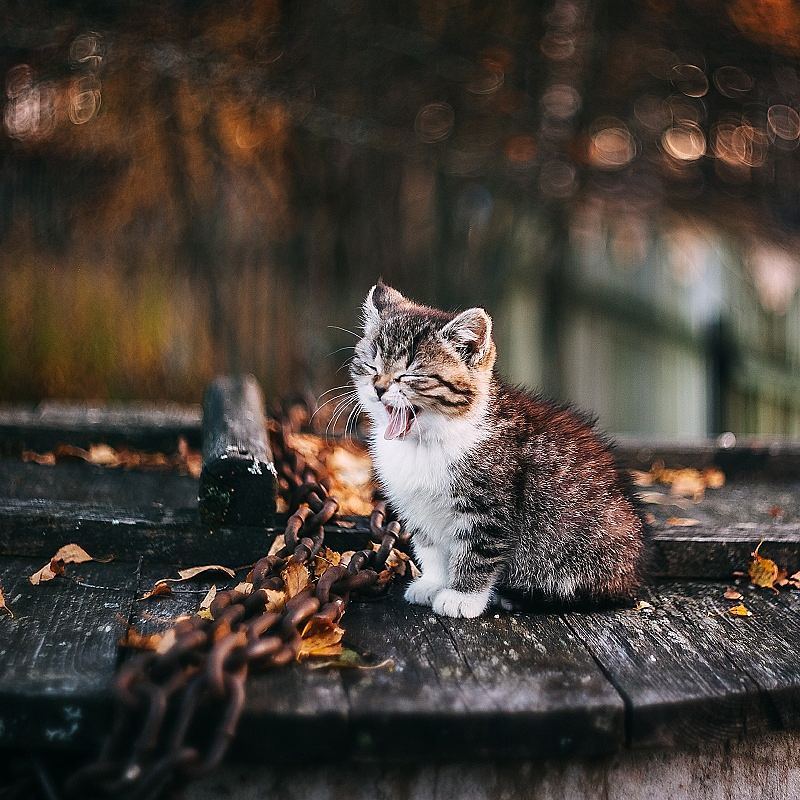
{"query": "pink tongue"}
pixel 399 423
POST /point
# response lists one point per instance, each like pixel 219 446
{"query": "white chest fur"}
pixel 417 477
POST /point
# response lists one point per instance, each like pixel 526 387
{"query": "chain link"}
pixel 155 741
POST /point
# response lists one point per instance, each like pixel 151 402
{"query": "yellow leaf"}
pixel 204 613
pixel 320 638
pixel 643 605
pixel 4 605
pixel 295 578
pixel 763 571
pixel 740 611
pixel 324 559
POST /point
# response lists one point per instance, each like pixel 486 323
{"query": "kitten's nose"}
pixel 380 391
pixel 381 384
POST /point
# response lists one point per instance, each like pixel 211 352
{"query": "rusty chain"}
pixel 154 743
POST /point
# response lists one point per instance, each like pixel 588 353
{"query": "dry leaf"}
pixel 68 554
pixel 45 459
pixel 278 544
pixel 206 602
pixel 205 613
pixel 714 478
pixel 140 641
pixel 643 605
pixel 763 572
pixel 682 522
pixel 4 605
pixel 732 594
pixel 160 589
pixel 320 638
pixel 193 572
pixel 295 578
pixel 103 456
pixel 794 580
pixel 245 587
pixel 324 559
pixel 276 600
pixel 740 611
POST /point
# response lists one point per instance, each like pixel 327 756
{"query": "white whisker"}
pixel 346 330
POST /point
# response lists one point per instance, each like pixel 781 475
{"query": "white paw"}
pixel 450 603
pixel 421 591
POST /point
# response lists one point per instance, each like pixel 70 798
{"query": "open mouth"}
pixel 400 422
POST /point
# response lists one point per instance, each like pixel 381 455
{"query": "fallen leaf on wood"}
pixel 45 459
pixel 245 587
pixel 643 605
pixel 320 637
pixel 763 572
pixel 276 600
pixel 682 522
pixel 205 613
pixel 160 589
pixel 140 641
pixel 732 594
pixel 350 659
pixel 794 580
pixel 295 578
pixel 3 605
pixel 740 611
pixel 68 554
pixel 193 572
pixel 209 598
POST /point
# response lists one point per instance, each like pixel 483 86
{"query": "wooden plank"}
pixel 502 685
pixel 680 685
pixel 39 527
pixel 85 483
pixel 763 645
pixel 147 426
pixel 59 651
pixel 238 484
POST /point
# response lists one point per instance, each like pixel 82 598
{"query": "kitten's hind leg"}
pixel 433 562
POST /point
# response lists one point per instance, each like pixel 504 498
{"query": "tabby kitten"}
pixel 507 495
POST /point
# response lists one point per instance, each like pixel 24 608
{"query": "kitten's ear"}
pixel 471 334
pixel 379 298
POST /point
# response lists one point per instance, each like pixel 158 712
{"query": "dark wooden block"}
pixel 238 484
pixel 59 652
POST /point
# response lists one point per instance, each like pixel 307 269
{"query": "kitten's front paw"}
pixel 421 591
pixel 451 603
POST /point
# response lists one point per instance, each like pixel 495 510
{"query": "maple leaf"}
pixel 320 637
pixel 763 572
pixel 740 611
pixel 295 578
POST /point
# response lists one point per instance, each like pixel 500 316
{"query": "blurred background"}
pixel 195 187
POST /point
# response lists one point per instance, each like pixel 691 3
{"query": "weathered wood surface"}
pixel 238 484
pixel 58 653
pixel 750 768
pixel 147 426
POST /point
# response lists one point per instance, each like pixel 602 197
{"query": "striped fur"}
pixel 507 494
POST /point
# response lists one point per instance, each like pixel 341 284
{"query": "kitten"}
pixel 506 494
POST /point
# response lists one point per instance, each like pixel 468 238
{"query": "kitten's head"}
pixel 416 367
